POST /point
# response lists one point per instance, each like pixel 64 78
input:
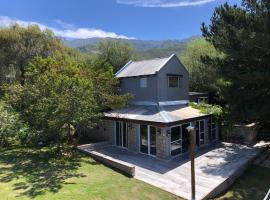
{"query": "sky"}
pixel 131 19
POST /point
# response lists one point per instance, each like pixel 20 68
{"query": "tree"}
pixel 19 45
pixel 202 76
pixel 243 35
pixel 56 95
pixel 115 52
pixel 61 95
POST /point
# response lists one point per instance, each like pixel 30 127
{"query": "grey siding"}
pixel 132 85
pixel 172 94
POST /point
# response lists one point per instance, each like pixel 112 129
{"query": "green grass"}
pixel 40 174
pixel 253 185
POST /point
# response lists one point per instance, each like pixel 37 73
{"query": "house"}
pixel 198 97
pixel 156 120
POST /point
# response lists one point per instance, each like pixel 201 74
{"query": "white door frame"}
pixel 121 132
pixel 148 140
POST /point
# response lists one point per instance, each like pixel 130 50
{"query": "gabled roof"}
pixel 142 68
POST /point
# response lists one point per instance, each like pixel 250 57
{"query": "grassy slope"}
pixel 253 185
pixel 39 174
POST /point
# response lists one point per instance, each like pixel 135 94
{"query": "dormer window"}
pixel 174 81
pixel 143 82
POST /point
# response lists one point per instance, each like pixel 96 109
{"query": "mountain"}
pixel 145 48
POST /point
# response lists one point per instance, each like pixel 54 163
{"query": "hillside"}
pixel 144 48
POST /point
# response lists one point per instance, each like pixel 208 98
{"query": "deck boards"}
pixel 213 166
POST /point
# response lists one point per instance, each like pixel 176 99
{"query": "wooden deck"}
pixel 216 168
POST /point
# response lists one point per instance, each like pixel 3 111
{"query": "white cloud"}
pixel 67 31
pixel 164 3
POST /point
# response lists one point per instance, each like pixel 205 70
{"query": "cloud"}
pixel 66 30
pixel 164 3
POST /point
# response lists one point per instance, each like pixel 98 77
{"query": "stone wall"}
pixel 163 141
pixel 244 134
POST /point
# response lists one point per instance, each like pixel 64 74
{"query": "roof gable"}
pixel 142 68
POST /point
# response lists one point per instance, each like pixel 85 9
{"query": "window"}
pixel 174 81
pixel 200 132
pixel 143 82
pixel 176 140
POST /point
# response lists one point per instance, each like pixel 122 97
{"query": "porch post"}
pixel 191 131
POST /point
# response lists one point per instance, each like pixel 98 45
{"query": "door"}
pixel 153 144
pixel 185 138
pixel 148 140
pixel 176 140
pixel 144 139
pixel 121 134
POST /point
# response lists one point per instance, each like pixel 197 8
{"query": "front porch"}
pixel 217 166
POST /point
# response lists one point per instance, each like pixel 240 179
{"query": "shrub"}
pixel 215 110
pixel 13 130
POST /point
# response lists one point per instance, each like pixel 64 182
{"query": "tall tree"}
pixel 19 45
pixel 242 33
pixel 115 52
pixel 56 95
pixel 202 76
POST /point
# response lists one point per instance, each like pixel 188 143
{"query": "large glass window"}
pixel 174 81
pixel 212 130
pixel 153 146
pixel 200 132
pixel 185 138
pixel 143 139
pixel 121 134
pixel 176 140
pixel 143 82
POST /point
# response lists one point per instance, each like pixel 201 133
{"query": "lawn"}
pixel 253 185
pixel 41 174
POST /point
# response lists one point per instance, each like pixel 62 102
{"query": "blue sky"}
pixel 140 19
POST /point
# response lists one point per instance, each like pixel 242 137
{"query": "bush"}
pixel 13 130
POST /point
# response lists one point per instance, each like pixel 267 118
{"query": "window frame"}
pixel 143 82
pixel 179 82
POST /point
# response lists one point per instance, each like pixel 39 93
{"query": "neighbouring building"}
pixel 198 97
pixel 156 120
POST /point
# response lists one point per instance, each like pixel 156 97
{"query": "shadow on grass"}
pixel 38 170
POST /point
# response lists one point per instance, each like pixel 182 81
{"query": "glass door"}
pixel 152 136
pixel 176 140
pixel 148 140
pixel 144 139
pixel 185 138
pixel 121 134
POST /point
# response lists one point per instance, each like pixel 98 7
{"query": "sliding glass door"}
pixel 200 132
pixel 148 139
pixel 121 134
pixel 176 140
pixel 144 139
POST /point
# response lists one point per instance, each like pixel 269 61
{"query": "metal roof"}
pixel 156 114
pixel 142 68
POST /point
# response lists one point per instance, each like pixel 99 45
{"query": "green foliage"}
pixel 55 94
pixel 106 86
pixel 202 76
pixel 242 34
pixel 19 45
pixel 215 110
pixel 115 52
pixel 12 127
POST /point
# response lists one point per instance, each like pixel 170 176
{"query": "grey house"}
pixel 156 120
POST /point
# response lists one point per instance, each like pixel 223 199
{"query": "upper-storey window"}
pixel 174 81
pixel 143 82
